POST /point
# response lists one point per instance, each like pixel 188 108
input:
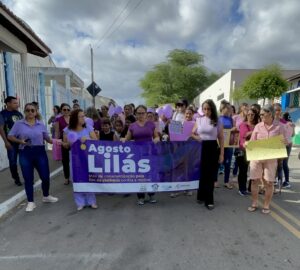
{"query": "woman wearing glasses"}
pixel 142 131
pixel 60 124
pixel 264 169
pixel 30 133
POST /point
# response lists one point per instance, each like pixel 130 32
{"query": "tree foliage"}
pixel 181 76
pixel 266 83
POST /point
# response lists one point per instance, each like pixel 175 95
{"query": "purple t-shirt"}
pixel 206 130
pixel 35 134
pixel 142 133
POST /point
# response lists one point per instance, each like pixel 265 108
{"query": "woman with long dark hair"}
pixel 142 131
pixel 246 129
pixel 60 124
pixel 30 133
pixel 209 131
pixel 84 132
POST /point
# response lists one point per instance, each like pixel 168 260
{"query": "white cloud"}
pixel 249 35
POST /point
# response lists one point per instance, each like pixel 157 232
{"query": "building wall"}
pixel 218 91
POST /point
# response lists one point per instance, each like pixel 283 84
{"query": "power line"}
pixel 122 22
pixel 114 21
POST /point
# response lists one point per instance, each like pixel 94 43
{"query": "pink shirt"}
pixel 206 130
pixel 244 129
pixel 238 120
pixel 261 131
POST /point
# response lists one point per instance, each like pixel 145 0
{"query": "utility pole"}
pixel 92 72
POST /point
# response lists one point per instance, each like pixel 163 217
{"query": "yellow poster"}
pixel 271 148
pixel 231 138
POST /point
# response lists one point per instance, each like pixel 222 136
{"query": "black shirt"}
pixel 10 117
pixel 107 136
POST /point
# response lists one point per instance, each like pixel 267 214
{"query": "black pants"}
pixel 143 195
pixel 66 162
pixel 208 168
pixel 12 155
pixel 243 165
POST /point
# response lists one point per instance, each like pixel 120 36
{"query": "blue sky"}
pixel 130 38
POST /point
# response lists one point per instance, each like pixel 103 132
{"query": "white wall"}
pixel 220 87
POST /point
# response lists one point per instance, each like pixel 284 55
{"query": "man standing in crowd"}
pixel 9 116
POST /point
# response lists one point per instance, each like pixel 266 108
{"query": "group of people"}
pixel 27 136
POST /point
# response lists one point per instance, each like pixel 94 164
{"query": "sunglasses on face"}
pixel 30 110
pixel 66 110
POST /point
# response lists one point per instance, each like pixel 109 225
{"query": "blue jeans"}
pixel 285 167
pixel 228 152
pixel 12 155
pixel 31 158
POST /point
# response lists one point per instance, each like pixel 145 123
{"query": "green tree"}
pixel 266 83
pixel 181 76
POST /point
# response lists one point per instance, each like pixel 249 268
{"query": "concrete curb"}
pixel 11 203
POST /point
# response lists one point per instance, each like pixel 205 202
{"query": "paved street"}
pixel 173 234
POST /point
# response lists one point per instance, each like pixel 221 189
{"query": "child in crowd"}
pixel 106 134
pixel 118 127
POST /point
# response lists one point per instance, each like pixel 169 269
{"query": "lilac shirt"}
pixel 85 132
pixel 206 130
pixel 36 134
pixel 142 134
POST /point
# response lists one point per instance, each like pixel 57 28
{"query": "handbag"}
pixel 56 149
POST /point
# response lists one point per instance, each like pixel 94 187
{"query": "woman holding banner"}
pixel 142 131
pixel 78 129
pixel 189 113
pixel 264 169
pixel 209 131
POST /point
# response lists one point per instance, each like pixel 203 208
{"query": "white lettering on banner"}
pixel 127 165
pixel 101 149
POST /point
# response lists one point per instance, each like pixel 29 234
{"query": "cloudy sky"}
pixel 131 36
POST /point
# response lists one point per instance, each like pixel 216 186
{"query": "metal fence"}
pixel 26 83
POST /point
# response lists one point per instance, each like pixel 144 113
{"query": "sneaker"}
pixel 80 208
pixel 188 193
pixel 152 199
pixel 50 199
pixel 30 206
pixel 174 194
pixel 221 172
pixel 243 193
pixel 210 206
pixel 94 206
pixel 286 185
pixel 141 202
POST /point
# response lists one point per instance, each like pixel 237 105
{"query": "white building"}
pixel 223 88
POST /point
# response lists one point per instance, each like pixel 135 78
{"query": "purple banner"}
pixel 101 166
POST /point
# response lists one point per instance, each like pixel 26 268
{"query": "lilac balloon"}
pixel 160 111
pixel 168 111
pixel 72 137
pixel 89 121
pixel 118 110
pixel 111 110
pixel 200 111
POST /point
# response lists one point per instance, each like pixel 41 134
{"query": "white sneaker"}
pixel 174 194
pixel 30 206
pixel 50 199
pixel 141 202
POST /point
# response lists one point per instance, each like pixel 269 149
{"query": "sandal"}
pixel 252 208
pixel 228 186
pixel 67 182
pixel 266 211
